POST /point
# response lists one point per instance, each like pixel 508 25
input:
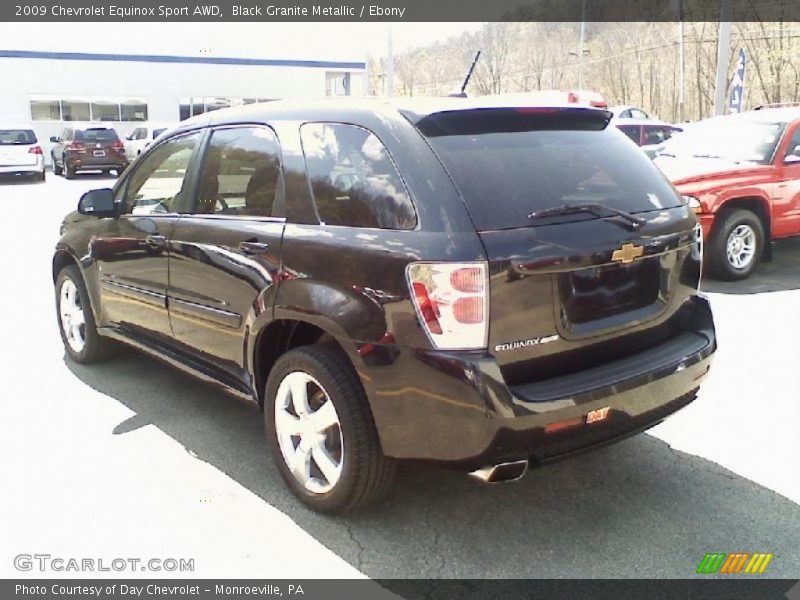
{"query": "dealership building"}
pixel 51 90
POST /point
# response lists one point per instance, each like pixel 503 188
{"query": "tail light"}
pixel 35 150
pixel 118 146
pixel 452 303
pixel 80 146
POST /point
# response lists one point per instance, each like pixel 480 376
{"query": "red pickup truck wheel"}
pixel 736 245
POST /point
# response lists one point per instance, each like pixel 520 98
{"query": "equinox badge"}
pixel 525 343
pixel 627 253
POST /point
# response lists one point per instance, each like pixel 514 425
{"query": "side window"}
pixel 240 174
pixel 632 131
pixel 138 133
pixel 654 135
pixel 793 142
pixel 638 114
pixel 155 186
pixel 354 181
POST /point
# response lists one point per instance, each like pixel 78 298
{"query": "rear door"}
pixel 575 289
pixel 132 253
pixel 225 254
pixel 16 147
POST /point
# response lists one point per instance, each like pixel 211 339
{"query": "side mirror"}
pixel 793 157
pixel 54 139
pixel 97 203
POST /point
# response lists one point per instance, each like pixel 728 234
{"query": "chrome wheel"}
pixel 73 321
pixel 309 433
pixel 741 246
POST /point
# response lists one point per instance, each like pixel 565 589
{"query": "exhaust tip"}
pixel 501 472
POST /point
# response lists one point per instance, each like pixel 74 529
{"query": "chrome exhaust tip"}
pixel 501 472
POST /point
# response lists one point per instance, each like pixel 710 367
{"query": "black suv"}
pixel 482 286
pixel 88 149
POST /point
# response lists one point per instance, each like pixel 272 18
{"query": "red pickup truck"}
pixel 741 176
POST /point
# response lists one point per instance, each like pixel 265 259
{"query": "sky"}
pixel 332 41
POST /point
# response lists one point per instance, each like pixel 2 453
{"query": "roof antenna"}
pixel 463 92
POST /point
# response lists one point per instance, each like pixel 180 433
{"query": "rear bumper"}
pixel 36 168
pixel 91 163
pixel 455 407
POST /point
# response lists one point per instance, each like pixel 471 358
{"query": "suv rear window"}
pixel 96 135
pixel 354 181
pixel 505 175
pixel 10 137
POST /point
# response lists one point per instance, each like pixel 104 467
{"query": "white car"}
pixel 141 137
pixel 20 152
pixel 630 112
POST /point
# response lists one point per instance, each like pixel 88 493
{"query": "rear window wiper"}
pixel 567 209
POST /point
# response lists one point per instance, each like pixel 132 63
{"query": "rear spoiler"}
pixel 472 121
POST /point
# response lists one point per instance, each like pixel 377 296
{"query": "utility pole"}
pixel 580 48
pixel 723 52
pixel 390 66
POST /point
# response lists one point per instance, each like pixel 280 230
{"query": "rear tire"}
pixel 736 245
pixel 333 427
pixel 76 320
pixel 69 172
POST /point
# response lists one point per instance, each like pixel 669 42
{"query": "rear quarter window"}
pixel 353 179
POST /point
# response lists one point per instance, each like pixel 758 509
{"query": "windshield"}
pixel 736 141
pixel 12 137
pixel 503 177
pixel 96 135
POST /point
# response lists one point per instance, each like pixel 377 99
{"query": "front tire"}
pixel 56 169
pixel 736 245
pixel 76 320
pixel 321 432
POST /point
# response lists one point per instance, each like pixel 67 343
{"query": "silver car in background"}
pixel 20 153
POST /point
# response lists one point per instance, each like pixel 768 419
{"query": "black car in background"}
pixel 88 149
pixel 482 286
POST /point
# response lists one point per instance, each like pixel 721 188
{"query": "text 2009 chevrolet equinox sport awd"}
pixel 482 286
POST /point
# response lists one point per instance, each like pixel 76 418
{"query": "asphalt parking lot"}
pixel 131 458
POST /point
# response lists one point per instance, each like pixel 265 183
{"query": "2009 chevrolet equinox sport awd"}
pixel 482 286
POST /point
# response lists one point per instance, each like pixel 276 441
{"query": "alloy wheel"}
pixel 73 320
pixel 741 246
pixel 309 433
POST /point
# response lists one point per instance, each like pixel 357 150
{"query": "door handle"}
pixel 253 247
pixel 156 241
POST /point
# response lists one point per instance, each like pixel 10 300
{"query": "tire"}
pixel 94 348
pixel 69 172
pixel 119 171
pixel 736 230
pixel 41 177
pixel 351 443
pixel 56 169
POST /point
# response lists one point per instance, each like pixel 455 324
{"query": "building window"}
pixel 54 108
pixel 46 109
pixel 337 84
pixel 193 106
pixel 75 110
pixel 134 109
pixel 103 110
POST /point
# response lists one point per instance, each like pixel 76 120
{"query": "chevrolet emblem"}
pixel 627 253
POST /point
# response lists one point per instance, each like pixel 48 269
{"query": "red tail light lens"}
pixel 451 300
pixel 468 310
pixel 76 146
pixel 35 150
pixel 467 279
pixel 428 309
pixel 118 146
